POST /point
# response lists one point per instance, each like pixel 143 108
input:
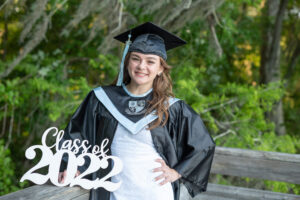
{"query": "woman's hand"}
pixel 169 174
pixel 62 176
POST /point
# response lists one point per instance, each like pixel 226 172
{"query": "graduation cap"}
pixel 147 38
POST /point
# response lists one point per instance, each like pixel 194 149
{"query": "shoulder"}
pixel 105 88
pixel 180 109
pixel 179 105
pixel 90 98
pixel 95 93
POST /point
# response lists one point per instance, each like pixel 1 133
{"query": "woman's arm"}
pixel 195 150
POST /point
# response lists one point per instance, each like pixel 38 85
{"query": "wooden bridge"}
pixel 227 161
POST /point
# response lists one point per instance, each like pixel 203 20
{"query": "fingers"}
pixel 161 161
pixel 158 169
pixel 166 171
pixel 164 182
pixel 168 174
pixel 165 177
pixel 77 173
pixel 159 177
pixel 62 176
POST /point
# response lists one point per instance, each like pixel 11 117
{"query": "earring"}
pixel 159 74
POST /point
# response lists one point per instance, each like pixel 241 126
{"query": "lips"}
pixel 140 74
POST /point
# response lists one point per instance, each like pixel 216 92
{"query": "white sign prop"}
pixel 71 148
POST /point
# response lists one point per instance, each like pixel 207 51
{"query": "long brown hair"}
pixel 162 90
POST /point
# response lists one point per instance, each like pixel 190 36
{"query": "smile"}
pixel 139 74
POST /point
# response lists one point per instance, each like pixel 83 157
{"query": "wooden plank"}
pixel 214 192
pixel 223 192
pixel 257 164
pixel 227 161
pixel 82 197
pixel 45 192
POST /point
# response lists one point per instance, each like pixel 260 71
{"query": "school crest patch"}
pixel 136 107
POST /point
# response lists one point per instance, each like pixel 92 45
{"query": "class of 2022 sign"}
pixel 97 155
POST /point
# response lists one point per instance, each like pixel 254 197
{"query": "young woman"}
pixel 161 140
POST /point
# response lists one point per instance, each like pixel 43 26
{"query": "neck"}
pixel 138 89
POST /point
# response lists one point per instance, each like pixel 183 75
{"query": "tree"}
pixel 270 55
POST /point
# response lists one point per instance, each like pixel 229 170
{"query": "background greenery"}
pixel 53 52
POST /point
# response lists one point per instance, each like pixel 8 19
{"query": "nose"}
pixel 142 64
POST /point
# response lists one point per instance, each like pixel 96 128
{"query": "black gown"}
pixel 184 143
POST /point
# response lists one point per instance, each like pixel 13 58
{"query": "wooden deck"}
pixel 228 161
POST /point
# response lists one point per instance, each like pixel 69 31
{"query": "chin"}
pixel 141 82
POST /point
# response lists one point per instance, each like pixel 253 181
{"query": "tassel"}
pixel 120 77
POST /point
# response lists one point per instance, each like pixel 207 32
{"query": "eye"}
pixel 150 62
pixel 135 58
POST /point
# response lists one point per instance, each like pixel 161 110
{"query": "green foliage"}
pixel 224 91
pixel 108 65
pixel 7 172
pixel 235 109
pixel 51 82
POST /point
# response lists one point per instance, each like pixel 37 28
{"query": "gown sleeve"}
pixel 195 150
pixel 82 126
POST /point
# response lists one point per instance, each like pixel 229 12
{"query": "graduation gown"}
pixel 184 143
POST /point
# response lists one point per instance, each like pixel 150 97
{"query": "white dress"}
pixel 138 155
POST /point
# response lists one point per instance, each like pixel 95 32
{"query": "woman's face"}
pixel 143 68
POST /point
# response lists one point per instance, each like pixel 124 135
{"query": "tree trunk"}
pixel 270 55
pixel 292 62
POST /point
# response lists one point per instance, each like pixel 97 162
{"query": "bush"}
pixel 7 174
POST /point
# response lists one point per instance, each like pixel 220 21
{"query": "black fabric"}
pixel 149 38
pixel 183 142
pixel 149 44
pixel 121 101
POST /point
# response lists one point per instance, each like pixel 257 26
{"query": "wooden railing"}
pixel 227 161
pixel 254 164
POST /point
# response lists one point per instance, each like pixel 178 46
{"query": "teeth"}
pixel 141 74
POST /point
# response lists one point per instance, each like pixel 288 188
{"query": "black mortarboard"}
pixel 147 38
pixel 150 35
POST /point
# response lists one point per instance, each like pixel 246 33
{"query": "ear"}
pixel 161 70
